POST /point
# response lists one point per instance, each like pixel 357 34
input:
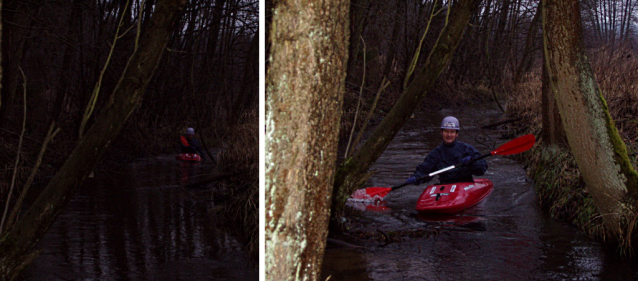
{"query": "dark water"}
pixel 505 237
pixel 140 222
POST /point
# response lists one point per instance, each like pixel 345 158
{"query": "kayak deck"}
pixel 453 197
pixel 188 157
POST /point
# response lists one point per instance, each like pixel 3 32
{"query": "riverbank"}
pixel 558 183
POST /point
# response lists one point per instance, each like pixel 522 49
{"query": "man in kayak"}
pixel 189 144
pixel 450 152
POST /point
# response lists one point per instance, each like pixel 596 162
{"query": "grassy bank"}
pixel 558 182
pixel 240 157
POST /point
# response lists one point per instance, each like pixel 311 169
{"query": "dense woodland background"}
pixel 501 48
pixel 61 60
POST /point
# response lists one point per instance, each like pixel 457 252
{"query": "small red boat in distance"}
pixel 188 157
pixel 453 197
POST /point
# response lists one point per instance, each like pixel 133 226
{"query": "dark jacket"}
pixel 446 155
pixel 193 147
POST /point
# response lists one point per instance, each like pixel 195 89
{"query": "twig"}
pixel 15 169
pixel 415 58
pixel 356 114
pixel 14 212
pixel 98 85
pixel 384 84
pixel 489 73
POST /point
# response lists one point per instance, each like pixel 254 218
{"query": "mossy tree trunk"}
pixel 17 244
pixel 552 126
pixel 353 173
pixel 591 133
pixel 305 87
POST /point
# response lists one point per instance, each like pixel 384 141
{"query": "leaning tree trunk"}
pixel 16 245
pixel 591 133
pixel 305 86
pixel 354 172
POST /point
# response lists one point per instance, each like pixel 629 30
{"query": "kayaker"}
pixel 450 152
pixel 189 144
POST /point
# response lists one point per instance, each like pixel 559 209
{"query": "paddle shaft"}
pixel 514 146
pixel 444 170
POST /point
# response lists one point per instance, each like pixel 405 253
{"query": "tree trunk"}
pixel 528 53
pixel 593 138
pixel 394 41
pixel 358 13
pixel 248 92
pixel 305 87
pixel 13 52
pixel 16 245
pixel 354 171
pixel 552 126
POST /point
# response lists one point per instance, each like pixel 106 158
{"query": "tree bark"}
pixel 593 138
pixel 354 171
pixel 305 87
pixel 552 126
pixel 16 245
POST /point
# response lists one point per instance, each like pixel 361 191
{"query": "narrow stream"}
pixel 140 222
pixel 505 237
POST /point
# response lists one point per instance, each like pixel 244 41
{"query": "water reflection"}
pixel 139 223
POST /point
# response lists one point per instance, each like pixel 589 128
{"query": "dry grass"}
pixel 616 73
pixel 559 185
pixel 241 156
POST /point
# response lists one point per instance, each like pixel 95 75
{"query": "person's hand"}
pixel 411 180
pixel 466 160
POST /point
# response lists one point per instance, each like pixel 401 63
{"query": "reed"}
pixel 241 156
pixel 558 182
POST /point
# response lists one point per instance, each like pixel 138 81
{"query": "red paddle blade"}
pixel 184 141
pixel 516 145
pixel 371 193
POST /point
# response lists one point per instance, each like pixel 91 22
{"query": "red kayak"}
pixel 453 197
pixel 188 157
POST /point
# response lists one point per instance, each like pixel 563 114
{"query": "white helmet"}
pixel 190 131
pixel 450 123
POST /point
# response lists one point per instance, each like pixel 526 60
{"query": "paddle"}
pixel 514 146
pixel 184 141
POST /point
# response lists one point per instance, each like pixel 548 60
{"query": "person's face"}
pixel 449 136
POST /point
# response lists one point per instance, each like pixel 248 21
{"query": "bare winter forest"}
pixel 122 78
